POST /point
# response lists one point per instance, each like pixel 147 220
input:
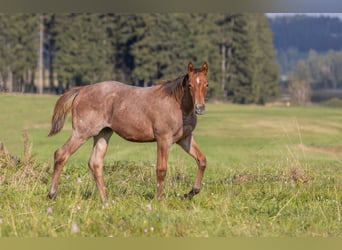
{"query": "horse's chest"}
pixel 189 124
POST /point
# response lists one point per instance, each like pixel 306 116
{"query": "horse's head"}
pixel 198 84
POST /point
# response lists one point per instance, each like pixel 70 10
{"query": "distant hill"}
pixel 307 32
pixel 295 36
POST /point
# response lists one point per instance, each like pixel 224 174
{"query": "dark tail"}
pixel 62 107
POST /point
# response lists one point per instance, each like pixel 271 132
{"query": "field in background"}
pixel 272 171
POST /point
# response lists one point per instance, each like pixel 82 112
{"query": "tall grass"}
pixel 272 171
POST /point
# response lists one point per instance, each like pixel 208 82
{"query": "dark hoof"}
pixel 52 196
pixel 191 194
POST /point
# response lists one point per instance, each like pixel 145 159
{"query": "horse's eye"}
pixel 207 86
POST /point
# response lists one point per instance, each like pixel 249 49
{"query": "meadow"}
pixel 272 171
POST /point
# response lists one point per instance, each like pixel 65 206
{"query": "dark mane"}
pixel 173 87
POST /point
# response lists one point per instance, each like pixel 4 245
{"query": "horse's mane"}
pixel 173 87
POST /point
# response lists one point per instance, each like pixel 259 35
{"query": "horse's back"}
pixel 106 87
pixel 123 108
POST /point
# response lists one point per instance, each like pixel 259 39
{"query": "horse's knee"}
pixel 202 163
pixel 161 173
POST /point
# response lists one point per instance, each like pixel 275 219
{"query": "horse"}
pixel 165 113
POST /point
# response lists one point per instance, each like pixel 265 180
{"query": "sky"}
pixel 339 15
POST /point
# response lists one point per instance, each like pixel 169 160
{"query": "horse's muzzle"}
pixel 199 109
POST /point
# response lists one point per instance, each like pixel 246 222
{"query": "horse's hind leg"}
pixel 190 146
pixel 96 160
pixel 60 158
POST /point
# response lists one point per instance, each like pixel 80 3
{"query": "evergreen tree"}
pixel 82 49
pixel 251 74
pixel 240 85
pixel 18 50
pixel 169 41
pixel 264 73
pixel 123 31
pixel 223 40
pixel 146 61
pixel 50 31
pixel 164 47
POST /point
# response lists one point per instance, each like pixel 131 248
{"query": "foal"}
pixel 165 113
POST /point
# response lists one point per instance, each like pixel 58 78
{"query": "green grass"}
pixel 272 171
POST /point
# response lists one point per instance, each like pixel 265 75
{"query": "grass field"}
pixel 272 171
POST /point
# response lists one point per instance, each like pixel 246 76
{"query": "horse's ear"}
pixel 190 68
pixel 204 68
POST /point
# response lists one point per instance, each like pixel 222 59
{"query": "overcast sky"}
pixel 339 15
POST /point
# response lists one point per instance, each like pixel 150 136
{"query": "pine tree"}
pixel 18 50
pixel 40 80
pixel 223 41
pixel 145 50
pixel 82 49
pixel 123 32
pixel 248 71
pixel 50 45
pixel 264 74
pixel 240 85
pixel 169 41
pixel 164 47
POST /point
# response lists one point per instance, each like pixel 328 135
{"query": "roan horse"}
pixel 165 113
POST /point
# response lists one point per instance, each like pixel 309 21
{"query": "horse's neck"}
pixel 187 104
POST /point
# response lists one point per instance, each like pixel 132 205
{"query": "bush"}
pixel 333 102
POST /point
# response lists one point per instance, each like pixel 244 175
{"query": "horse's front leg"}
pixel 163 150
pixel 190 146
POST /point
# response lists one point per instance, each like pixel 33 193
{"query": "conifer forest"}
pixel 50 53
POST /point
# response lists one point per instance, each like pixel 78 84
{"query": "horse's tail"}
pixel 62 108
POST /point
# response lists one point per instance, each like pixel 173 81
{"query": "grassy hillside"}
pixel 272 171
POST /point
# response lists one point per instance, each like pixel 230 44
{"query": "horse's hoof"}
pixel 191 194
pixel 52 196
pixel 188 196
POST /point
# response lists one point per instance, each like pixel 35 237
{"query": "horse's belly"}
pixel 135 136
pixel 134 131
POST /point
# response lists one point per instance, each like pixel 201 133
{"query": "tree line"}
pixel 294 36
pixel 53 52
pixel 323 71
pixel 303 32
pixel 316 73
